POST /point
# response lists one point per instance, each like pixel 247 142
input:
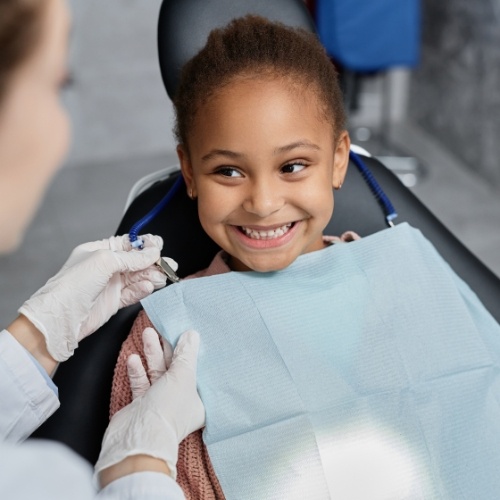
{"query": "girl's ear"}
pixel 341 160
pixel 186 170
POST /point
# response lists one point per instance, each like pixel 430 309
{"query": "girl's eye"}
pixel 293 168
pixel 228 172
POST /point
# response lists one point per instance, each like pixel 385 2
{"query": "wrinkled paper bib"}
pixel 366 370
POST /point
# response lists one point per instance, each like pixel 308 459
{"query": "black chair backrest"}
pixel 84 381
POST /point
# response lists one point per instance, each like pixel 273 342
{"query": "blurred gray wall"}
pixel 455 92
pixel 117 102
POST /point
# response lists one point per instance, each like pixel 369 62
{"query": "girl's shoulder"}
pixel 217 266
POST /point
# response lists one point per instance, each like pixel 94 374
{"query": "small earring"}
pixel 340 186
pixel 190 193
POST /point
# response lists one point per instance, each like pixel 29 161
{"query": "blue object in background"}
pixel 370 35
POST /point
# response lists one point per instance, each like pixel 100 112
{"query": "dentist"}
pixel 139 450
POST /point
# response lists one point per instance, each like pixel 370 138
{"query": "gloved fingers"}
pixel 172 263
pixel 107 263
pixel 139 382
pixel 154 354
pixel 89 289
pixel 114 243
pixel 186 352
pixel 183 373
pixel 119 243
pixel 168 352
pixel 135 292
pixel 78 254
pixel 93 246
pixel 122 243
pixel 99 265
pixel 152 274
pixel 138 288
pixel 135 430
pixel 152 240
pixel 103 306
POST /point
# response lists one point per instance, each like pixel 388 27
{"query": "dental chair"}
pixel 84 381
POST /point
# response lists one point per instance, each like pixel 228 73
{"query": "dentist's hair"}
pixel 254 47
pixel 21 25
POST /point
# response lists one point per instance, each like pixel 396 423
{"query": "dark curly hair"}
pixel 253 46
pixel 20 29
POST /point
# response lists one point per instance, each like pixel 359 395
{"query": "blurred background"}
pixel 432 116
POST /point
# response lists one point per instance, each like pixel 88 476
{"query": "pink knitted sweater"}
pixel 195 474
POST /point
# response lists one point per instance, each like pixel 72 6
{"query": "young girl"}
pixel 386 403
pixel 260 127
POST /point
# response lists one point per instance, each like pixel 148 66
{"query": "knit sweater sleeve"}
pixel 121 394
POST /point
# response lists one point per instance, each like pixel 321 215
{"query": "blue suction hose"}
pixel 389 212
pixel 137 227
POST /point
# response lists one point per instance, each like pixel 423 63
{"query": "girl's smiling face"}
pixel 262 160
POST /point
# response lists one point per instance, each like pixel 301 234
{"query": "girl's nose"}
pixel 263 199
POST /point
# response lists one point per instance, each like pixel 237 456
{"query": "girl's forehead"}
pixel 256 82
pixel 249 88
pixel 265 110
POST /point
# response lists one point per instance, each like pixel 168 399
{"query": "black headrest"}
pixel 176 44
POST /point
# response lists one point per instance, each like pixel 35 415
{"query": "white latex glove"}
pixel 98 279
pixel 158 359
pixel 155 423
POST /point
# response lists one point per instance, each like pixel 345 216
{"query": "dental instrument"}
pixel 165 265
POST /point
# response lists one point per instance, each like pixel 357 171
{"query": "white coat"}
pixel 46 470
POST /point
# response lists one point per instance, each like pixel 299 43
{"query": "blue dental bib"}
pixel 364 370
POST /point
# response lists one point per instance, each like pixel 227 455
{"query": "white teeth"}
pixel 266 235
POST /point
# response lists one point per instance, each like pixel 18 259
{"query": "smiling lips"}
pixel 261 239
pixel 256 234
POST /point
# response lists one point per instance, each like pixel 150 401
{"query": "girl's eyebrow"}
pixel 221 152
pixel 282 149
pixel 297 144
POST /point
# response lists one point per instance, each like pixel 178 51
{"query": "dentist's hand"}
pixel 154 424
pixel 98 279
pixel 158 359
